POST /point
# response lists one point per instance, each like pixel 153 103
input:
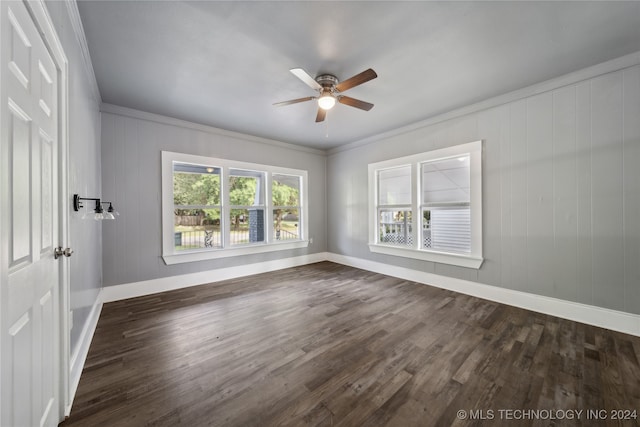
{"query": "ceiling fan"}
pixel 330 91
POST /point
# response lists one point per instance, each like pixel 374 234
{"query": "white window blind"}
pixel 451 229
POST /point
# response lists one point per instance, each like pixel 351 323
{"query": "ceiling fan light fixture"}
pixel 326 101
pixel 330 91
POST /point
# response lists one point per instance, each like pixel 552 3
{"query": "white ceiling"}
pixel 225 63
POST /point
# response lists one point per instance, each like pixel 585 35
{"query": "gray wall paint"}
pixel 561 192
pixel 131 172
pixel 84 175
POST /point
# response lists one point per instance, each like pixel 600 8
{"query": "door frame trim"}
pixel 43 21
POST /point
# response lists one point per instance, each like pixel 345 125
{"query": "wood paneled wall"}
pixel 132 142
pixel 561 192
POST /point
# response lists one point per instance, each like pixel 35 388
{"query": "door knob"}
pixel 58 252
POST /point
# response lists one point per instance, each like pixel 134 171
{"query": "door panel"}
pixel 20 51
pixel 20 155
pixel 22 351
pixel 30 322
pixel 46 197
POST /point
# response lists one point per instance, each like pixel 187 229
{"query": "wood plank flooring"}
pixel 330 345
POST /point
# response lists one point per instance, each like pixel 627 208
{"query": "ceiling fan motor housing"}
pixel 327 81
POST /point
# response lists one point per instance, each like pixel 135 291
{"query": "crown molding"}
pixel 78 30
pixel 152 117
pixel 613 65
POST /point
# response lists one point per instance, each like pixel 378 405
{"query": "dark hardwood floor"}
pixel 329 345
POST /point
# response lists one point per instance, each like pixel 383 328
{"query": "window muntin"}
pixel 230 215
pixel 429 206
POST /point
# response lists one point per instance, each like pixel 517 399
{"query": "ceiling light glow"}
pixel 326 102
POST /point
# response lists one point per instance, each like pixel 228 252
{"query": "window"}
pixel 214 208
pixel 197 206
pixel 285 193
pixel 246 206
pixel 429 206
pixel 394 206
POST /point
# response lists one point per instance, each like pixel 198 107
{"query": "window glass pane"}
pixel 247 226
pixel 447 229
pixel 394 227
pixel 196 185
pixel 446 180
pixel 394 186
pixel 246 188
pixel 285 190
pixel 198 231
pixel 286 224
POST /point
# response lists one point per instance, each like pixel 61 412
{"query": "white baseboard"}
pixel 604 318
pixel 81 351
pixel 136 289
pixel 601 317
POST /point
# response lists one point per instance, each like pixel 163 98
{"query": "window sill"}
pixel 440 257
pixel 231 252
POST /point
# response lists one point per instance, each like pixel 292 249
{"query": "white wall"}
pixel 561 191
pixel 131 170
pixel 84 173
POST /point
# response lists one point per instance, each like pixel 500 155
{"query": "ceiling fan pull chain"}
pixel 326 128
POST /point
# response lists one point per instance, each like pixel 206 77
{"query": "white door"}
pixel 29 298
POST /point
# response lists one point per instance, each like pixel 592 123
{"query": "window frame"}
pixel 472 259
pixel 171 256
pixel 274 207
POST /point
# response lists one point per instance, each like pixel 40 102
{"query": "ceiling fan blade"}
pixel 294 101
pixel 321 115
pixel 305 77
pixel 352 102
pixel 356 80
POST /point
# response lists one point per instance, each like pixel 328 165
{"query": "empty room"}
pixel 319 213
